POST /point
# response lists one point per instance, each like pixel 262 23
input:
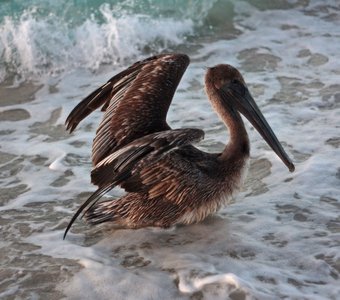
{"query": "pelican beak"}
pixel 237 93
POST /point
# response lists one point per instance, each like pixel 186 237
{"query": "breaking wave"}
pixel 34 42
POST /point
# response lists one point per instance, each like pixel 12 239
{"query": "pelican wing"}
pixel 136 162
pixel 135 102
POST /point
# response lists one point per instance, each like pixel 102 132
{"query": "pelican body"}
pixel 167 180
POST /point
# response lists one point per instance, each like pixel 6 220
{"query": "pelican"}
pixel 167 180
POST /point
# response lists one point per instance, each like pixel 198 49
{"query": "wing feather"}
pixel 135 102
pixel 149 148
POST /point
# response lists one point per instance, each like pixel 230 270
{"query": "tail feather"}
pixel 105 211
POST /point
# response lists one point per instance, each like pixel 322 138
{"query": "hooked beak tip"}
pixel 291 167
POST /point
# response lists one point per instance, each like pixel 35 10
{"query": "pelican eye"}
pixel 238 87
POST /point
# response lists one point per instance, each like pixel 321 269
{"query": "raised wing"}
pixel 135 102
pixel 127 164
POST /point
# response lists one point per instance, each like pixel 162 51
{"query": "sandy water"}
pixel 280 239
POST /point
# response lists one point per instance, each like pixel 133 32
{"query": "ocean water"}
pixel 279 239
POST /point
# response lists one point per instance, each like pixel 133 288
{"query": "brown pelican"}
pixel 168 181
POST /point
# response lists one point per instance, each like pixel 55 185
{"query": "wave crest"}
pixel 32 46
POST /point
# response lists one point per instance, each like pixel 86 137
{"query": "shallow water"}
pixel 281 236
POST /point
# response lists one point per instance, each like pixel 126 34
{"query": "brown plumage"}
pixel 168 181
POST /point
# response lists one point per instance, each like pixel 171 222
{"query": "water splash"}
pixel 31 46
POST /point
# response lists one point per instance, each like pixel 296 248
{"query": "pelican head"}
pixel 234 95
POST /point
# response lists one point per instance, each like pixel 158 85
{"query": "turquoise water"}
pixel 49 37
pixel 40 38
pixel 280 239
